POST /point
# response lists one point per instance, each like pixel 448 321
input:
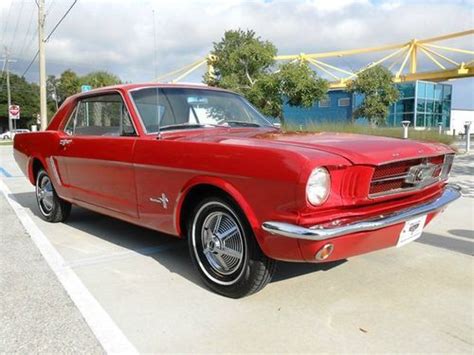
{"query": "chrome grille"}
pixel 409 175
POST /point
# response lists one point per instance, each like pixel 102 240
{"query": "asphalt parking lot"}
pixel 113 286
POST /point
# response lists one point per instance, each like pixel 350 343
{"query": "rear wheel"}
pixel 224 250
pixel 52 207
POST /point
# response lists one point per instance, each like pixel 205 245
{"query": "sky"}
pixel 118 35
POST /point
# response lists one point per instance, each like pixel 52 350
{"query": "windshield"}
pixel 181 108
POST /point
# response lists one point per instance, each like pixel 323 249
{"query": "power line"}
pixel 49 36
pixel 60 20
pixel 17 23
pixel 31 63
pixel 5 26
pixel 22 49
pixel 49 7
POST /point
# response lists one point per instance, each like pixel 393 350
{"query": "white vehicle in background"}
pixel 11 135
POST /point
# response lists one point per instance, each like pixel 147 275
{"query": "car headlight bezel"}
pixel 318 186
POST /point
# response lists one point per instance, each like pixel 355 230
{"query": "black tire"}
pixel 52 207
pixel 215 253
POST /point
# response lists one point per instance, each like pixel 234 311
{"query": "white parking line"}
pixel 106 331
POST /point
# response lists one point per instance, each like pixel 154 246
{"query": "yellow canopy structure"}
pixel 404 58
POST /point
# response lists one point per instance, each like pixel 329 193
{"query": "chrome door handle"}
pixel 65 142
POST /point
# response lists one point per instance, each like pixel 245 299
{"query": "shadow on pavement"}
pixel 457 245
pixel 166 250
pixel 464 233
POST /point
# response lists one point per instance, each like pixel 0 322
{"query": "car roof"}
pixel 129 87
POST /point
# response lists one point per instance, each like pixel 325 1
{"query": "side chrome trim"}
pixel 316 233
pixel 55 170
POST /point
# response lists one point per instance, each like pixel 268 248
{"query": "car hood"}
pixel 357 148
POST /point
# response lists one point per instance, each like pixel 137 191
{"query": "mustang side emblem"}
pixel 163 200
pixel 420 174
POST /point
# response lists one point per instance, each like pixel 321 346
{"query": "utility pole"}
pixel 9 94
pixel 42 65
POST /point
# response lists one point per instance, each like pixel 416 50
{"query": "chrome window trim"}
pixel 85 96
pixel 129 93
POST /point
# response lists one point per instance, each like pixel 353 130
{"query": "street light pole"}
pixel 42 65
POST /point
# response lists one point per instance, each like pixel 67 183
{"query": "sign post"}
pixel 14 114
pixel 85 88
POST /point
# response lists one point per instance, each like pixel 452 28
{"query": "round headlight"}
pixel 318 186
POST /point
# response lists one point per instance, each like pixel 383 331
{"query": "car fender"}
pixel 31 159
pixel 222 184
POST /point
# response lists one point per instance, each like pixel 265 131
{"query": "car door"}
pixel 97 150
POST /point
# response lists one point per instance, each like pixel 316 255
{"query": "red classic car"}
pixel 203 164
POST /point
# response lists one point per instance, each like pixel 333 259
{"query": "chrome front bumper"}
pixel 451 193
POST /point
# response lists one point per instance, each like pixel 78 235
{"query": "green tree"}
pixel 68 84
pixel 300 84
pixel 245 63
pixel 100 79
pixel 24 94
pixel 379 92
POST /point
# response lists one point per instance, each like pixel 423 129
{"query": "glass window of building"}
pixel 429 94
pixel 447 92
pixel 429 106
pixel 421 89
pixel 343 102
pixel 420 120
pixel 324 103
pixel 438 91
pixel 406 90
pixel 421 105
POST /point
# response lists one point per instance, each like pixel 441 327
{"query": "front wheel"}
pixel 224 250
pixel 52 207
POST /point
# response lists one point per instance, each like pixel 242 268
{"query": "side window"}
pixel 104 115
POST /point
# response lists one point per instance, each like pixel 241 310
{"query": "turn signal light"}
pixel 324 252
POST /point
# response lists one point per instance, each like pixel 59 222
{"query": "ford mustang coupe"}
pixel 202 164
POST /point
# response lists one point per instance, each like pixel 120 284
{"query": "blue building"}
pixel 422 103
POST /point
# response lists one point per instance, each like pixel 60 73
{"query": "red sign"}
pixel 14 112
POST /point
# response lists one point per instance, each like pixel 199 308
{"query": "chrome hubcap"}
pixel 222 242
pixel 44 194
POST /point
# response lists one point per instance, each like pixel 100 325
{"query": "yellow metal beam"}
pixel 405 60
pixel 344 52
pixel 408 50
pixel 458 50
pixel 315 63
pixel 189 71
pixel 440 75
pixel 432 59
pixel 440 55
pixel 448 36
pixel 373 64
pixel 186 67
pixel 413 57
pixel 332 67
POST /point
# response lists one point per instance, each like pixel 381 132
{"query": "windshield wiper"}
pixel 183 126
pixel 242 124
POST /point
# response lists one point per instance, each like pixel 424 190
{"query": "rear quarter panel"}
pixel 35 145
